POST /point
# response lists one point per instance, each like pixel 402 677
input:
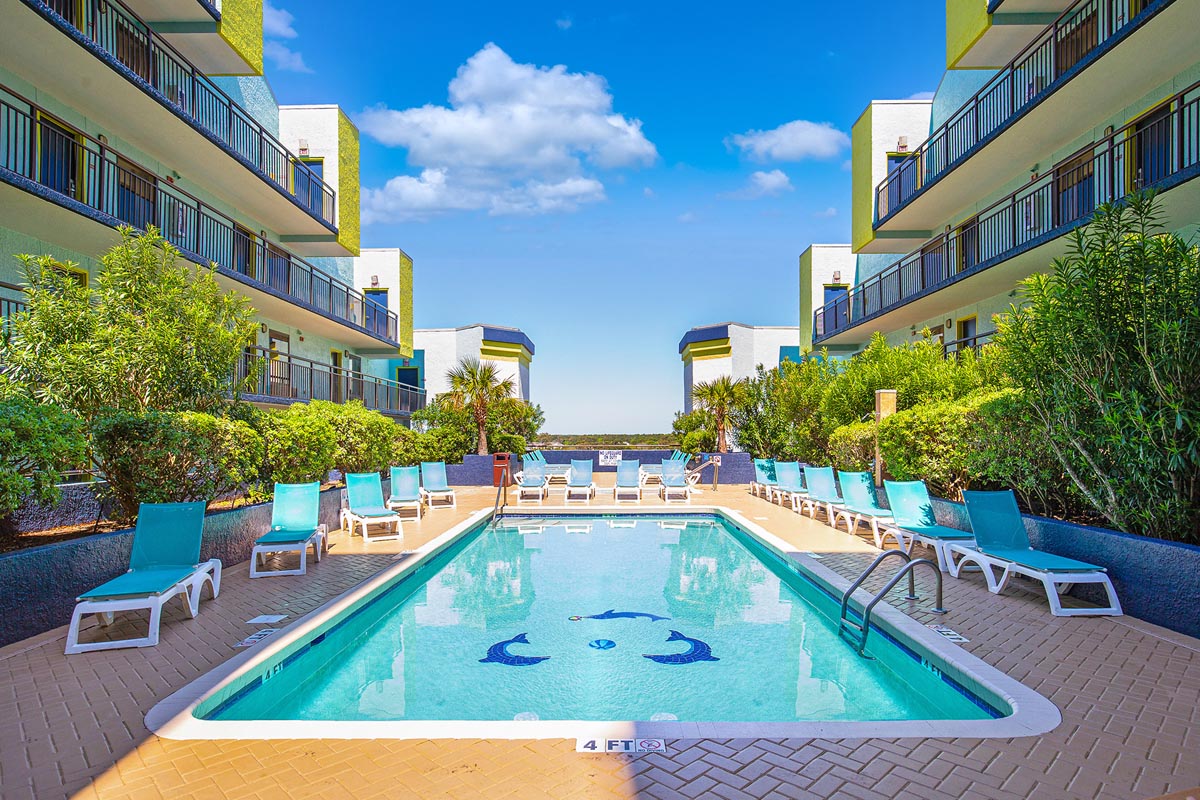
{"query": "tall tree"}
pixel 475 386
pixel 718 397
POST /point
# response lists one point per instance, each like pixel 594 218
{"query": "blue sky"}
pixel 604 178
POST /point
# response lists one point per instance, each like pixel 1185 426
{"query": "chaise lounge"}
pixel 295 526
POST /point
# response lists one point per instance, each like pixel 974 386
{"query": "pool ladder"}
pixel 502 488
pixel 856 632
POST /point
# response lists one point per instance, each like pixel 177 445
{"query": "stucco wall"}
pixel 873 136
pixel 333 138
pixel 817 267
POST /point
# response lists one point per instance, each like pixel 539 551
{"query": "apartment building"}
pixel 734 349
pixel 438 350
pixel 155 113
pixel 1047 109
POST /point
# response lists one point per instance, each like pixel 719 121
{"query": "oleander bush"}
pixel 364 437
pixel 852 447
pixel 300 446
pixel 173 457
pixel 37 442
pixel 410 447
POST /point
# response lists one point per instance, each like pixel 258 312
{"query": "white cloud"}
pixel 277 23
pixel 828 213
pixel 647 192
pixel 284 58
pixel 686 217
pixel 792 141
pixel 921 96
pixel 514 139
pixel 764 184
pixel 564 24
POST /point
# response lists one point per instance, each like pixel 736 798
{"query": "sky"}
pixel 603 176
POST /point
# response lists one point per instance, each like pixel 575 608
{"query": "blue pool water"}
pixel 554 619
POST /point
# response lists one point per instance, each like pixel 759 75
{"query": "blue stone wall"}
pixel 1156 580
pixel 38 586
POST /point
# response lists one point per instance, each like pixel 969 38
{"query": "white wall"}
pixel 445 347
pixel 749 346
pixel 383 263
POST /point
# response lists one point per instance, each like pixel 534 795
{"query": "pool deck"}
pixel 1129 693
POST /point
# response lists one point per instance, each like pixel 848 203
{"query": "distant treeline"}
pixel 587 441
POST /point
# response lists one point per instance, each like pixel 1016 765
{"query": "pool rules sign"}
pixel 629 746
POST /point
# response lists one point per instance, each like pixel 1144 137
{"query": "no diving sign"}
pixel 620 746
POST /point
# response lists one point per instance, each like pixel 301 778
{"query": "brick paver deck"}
pixel 1129 693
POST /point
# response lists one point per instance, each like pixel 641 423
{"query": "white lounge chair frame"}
pixel 681 494
pixel 588 492
pixel 854 518
pixel 319 540
pixel 399 505
pixel 533 494
pixel 209 572
pixel 429 497
pixel 1055 583
pixel 636 491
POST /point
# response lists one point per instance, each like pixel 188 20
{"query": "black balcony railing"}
pixel 1154 152
pixel 91 173
pixel 1033 74
pixel 289 379
pixel 111 26
pixel 974 343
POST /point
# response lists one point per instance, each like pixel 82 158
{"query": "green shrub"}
pixel 300 443
pixel 852 447
pixel 37 441
pixel 364 437
pixel 173 457
pixel 439 444
pixel 697 432
pixel 508 443
pixel 916 370
pixel 933 442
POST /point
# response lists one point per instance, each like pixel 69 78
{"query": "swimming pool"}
pixel 680 624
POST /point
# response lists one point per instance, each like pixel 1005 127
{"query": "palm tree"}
pixel 474 386
pixel 718 397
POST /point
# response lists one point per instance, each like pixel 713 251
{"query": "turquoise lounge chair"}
pixel 789 485
pixel 580 486
pixel 434 485
pixel 912 518
pixel 629 481
pixel 406 490
pixel 764 477
pixel 675 486
pixel 860 503
pixel 822 492
pixel 365 506
pixel 295 525
pixel 164 562
pixel 533 485
pixel 1002 541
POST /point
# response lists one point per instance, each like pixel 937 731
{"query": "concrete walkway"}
pixel 1129 693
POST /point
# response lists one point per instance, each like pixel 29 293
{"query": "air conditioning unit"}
pixel 902 144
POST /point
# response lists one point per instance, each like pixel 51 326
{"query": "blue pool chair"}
pixel 434 485
pixel 859 503
pixel 675 486
pixel 580 486
pixel 365 507
pixel 1001 541
pixel 406 490
pixel 164 562
pixel 533 485
pixel 629 481
pixel 764 477
pixel 295 526
pixel 913 519
pixel 789 485
pixel 822 492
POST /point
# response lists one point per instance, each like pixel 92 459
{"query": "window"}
pixel 1074 184
pixel 1075 38
pixel 60 157
pixel 279 367
pixel 355 388
pixel 903 185
pixel 967 329
pixel 837 315
pixel 375 310
pixel 1151 145
pixel 307 176
pixel 966 245
pixel 409 376
pixel 245 252
pixel 136 194
pixel 335 376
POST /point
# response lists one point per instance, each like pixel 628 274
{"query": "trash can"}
pixel 502 469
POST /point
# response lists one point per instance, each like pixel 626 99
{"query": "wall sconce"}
pixel 102 139
pixel 263 327
pixel 949 324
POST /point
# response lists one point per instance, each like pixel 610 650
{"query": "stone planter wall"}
pixel 1156 580
pixel 38 586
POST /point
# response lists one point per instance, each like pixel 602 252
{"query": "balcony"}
pixel 285 379
pixel 41 161
pixel 1033 106
pixel 219 42
pixel 1023 232
pixel 160 103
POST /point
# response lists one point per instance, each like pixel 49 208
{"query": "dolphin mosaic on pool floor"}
pixel 1129 694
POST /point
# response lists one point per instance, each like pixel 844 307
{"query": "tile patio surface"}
pixel 1129 694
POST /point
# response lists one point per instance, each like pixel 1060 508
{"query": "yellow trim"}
pixel 966 23
pixel 80 163
pixel 1131 153
pixel 349 215
pixel 404 303
pixel 703 351
pixel 505 351
pixel 862 197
